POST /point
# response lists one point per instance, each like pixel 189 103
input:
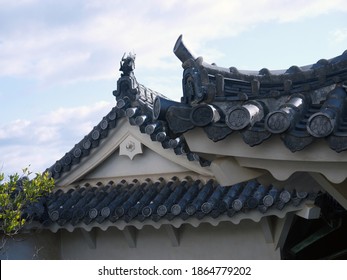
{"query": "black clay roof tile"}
pixel 161 200
pixel 256 103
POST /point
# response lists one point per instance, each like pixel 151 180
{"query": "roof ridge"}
pixel 301 104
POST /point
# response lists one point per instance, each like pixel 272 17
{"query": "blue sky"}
pixel 59 60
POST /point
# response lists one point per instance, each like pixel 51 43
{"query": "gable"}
pixel 111 160
pixel 146 164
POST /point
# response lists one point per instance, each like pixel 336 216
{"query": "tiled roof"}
pixel 89 142
pixel 135 102
pixel 160 201
pixel 301 104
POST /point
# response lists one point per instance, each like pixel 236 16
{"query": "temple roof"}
pixel 299 105
pixel 135 103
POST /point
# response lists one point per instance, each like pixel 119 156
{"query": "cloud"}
pixel 42 141
pixel 78 114
pixel 65 42
pixel 339 35
pixel 62 42
pixel 15 4
pixel 15 128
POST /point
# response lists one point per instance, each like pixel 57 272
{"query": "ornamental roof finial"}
pixel 127 64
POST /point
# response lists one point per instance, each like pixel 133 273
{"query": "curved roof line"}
pixel 294 72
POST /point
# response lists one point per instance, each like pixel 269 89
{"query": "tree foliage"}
pixel 16 193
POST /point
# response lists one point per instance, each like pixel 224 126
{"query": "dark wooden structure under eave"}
pixel 255 160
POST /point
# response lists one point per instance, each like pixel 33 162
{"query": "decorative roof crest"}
pixel 127 64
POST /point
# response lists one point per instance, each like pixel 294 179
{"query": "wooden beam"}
pixel 337 191
pixel 89 237
pixel 319 234
pixel 268 229
pixel 130 234
pixel 309 212
pixel 173 234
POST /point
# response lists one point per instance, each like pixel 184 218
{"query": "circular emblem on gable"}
pixel 162 210
pixel 87 144
pixel 77 152
pixel 149 129
pixel 201 115
pixel 285 196
pixel 104 124
pixel 268 200
pixel 58 167
pixel 190 210
pixel 54 215
pixel 320 125
pixel 161 136
pixel 67 159
pixel 130 146
pixel 105 212
pixel 206 207
pixel 238 118
pixel 277 122
pixel 112 115
pixel 237 204
pixel 176 209
pixel 146 211
pixel 93 213
pixel 95 134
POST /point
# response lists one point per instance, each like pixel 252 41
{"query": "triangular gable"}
pixel 127 153
pixel 133 116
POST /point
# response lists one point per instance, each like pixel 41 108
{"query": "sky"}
pixel 59 60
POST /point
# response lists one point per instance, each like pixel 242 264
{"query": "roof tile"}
pixel 160 200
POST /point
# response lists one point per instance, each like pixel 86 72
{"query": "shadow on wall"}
pixel 30 246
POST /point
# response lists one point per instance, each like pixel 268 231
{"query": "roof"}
pixel 162 201
pixel 134 102
pixel 300 105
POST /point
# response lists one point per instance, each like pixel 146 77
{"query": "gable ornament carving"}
pixel 130 147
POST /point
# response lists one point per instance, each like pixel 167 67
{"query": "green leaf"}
pixel 17 192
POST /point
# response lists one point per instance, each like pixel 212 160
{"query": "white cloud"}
pixel 90 46
pixel 339 35
pixel 68 115
pixel 68 41
pixel 15 128
pixel 16 157
pixel 42 141
pixel 15 4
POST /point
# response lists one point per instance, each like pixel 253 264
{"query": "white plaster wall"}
pixel 226 241
pixel 145 164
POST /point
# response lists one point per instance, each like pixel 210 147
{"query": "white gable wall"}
pixel 147 164
pixel 148 159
